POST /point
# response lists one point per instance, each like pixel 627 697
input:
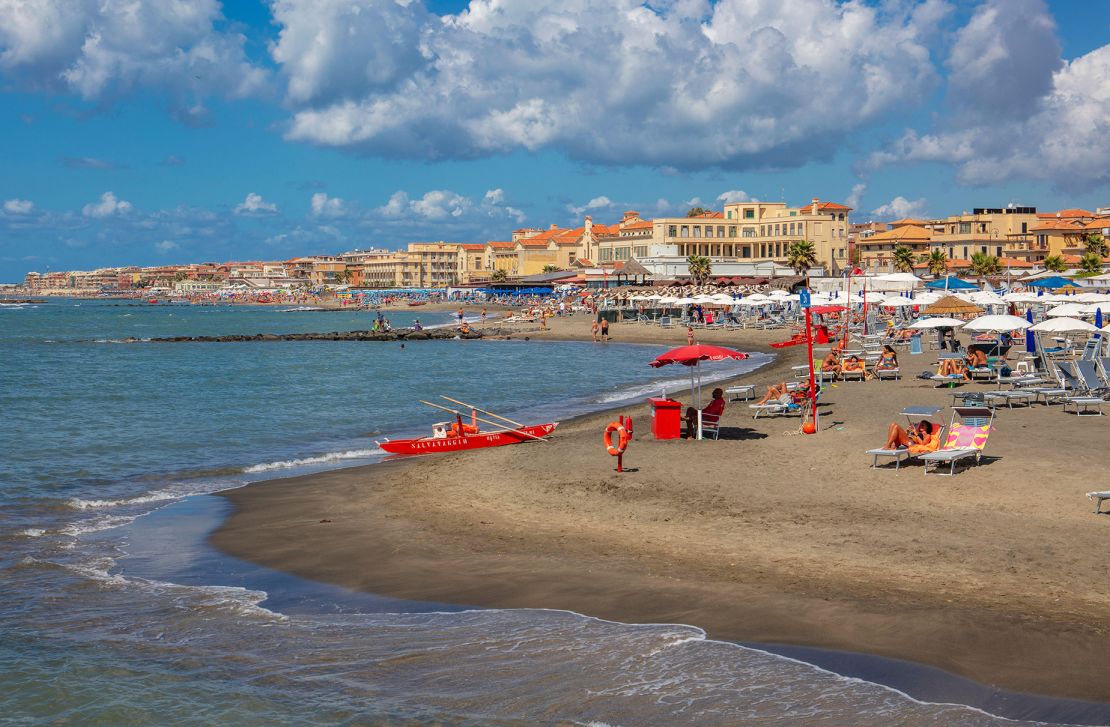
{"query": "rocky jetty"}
pixel 435 334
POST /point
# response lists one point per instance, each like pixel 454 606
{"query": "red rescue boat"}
pixel 457 436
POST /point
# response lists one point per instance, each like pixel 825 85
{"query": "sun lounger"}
pixel 784 405
pixel 966 440
pixel 1083 378
pixel 882 374
pixel 1098 497
pixel 911 413
pixel 853 374
pixel 745 392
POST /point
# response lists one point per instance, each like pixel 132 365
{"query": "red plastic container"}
pixel 666 418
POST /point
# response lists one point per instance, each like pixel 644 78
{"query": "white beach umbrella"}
pixel 897 301
pixel 1021 298
pixel 1092 298
pixel 927 298
pixel 668 300
pixel 938 322
pixel 685 301
pixel 899 278
pixel 1062 325
pixel 997 324
pixel 723 299
pixel 1071 310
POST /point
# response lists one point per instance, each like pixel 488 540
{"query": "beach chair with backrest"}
pixel 784 406
pixel 1092 347
pixel 913 414
pixel 666 322
pixel 1089 388
pixel 966 439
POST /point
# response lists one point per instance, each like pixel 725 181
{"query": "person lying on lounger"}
pixel 953 367
pixel 774 391
pixel 918 439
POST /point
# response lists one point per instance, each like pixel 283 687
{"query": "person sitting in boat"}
pixel 918 439
pixel 711 414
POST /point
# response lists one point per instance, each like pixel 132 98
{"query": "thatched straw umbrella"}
pixel 950 305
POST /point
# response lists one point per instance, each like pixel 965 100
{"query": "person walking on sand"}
pixel 483 315
pixel 689 335
pixel 605 330
pixel 594 329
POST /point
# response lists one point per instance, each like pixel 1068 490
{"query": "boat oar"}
pixel 490 413
pixel 486 421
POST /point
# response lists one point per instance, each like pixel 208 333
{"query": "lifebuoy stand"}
pixel 623 429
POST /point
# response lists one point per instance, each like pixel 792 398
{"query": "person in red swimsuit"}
pixel 709 415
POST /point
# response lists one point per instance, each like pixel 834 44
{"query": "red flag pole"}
pixel 812 374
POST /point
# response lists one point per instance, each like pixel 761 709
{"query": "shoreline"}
pixel 597 543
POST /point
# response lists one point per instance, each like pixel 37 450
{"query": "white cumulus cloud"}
pixel 1021 112
pixel 107 206
pixel 733 195
pixel 597 203
pixel 19 206
pixel 325 206
pixel 856 196
pixel 899 208
pixel 165 246
pixel 736 83
pixel 105 49
pixel 255 205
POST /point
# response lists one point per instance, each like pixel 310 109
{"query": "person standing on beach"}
pixel 460 315
pixel 605 330
pixel 483 315
pixel 689 335
pixel 594 329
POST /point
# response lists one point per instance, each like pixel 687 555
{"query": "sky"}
pixel 153 132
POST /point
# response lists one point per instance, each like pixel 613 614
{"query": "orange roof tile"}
pixel 468 246
pixel 1056 224
pixel 1098 224
pixel 1064 214
pixel 501 245
pixel 825 206
pixel 898 234
pixel 909 221
pixel 646 225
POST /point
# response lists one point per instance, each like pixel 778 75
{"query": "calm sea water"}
pixel 114 611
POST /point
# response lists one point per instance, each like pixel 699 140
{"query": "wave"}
pixel 320 459
pixel 32 532
pixel 95 525
pixel 298 308
pixel 160 496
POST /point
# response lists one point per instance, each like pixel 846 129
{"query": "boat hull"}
pixel 430 445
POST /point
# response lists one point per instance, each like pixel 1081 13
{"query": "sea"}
pixel 114 610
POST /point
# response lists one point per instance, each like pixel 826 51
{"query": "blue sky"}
pixel 149 133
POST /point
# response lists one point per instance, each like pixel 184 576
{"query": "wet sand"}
pixel 767 535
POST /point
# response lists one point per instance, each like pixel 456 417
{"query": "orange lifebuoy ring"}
pixel 622 439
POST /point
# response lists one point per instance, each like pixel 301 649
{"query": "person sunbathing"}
pixel 852 363
pixel 711 414
pixel 831 364
pixel 954 367
pixel 888 359
pixel 773 392
pixel 919 439
pixel 976 358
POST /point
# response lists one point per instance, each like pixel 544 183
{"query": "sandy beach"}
pixel 767 535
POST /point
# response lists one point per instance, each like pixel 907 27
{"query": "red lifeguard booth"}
pixel 666 418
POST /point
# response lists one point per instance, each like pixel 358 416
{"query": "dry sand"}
pixel 997 574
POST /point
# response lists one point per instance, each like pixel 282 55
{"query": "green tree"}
pixel 1096 244
pixel 1091 263
pixel 549 268
pixel 1055 263
pixel 179 276
pixel 700 268
pixel 984 264
pixel 903 259
pixel 696 211
pixel 499 275
pixel 801 256
pixel 937 261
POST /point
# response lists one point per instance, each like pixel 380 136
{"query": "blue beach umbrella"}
pixel 1098 317
pixel 1030 337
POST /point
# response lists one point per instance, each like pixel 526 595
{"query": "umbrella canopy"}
pixel 692 355
pixel 823 309
pixel 951 305
pixel 897 301
pixel 1098 316
pixel 899 278
pixel 1052 282
pixel 1030 338
pixel 997 324
pixel 1062 325
pixel 939 322
pixel 1070 310
pixel 951 283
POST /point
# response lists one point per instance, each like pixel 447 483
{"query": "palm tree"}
pixel 1096 244
pixel 801 256
pixel 700 268
pixel 983 264
pixel 499 275
pixel 1091 263
pixel 903 259
pixel 549 268
pixel 937 261
pixel 1055 263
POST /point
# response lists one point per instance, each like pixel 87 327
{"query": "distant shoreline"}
pixel 760 537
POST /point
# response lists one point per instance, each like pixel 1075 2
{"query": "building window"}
pixel 697 230
pixel 791 228
pixel 709 230
pixel 730 214
pixel 748 232
pixel 965 253
pixel 672 231
pixel 998 251
pixel 749 213
pixel 746 251
pixel 965 228
pixel 776 230
pixel 732 230
pixel 685 231
pixel 720 230
pixel 1024 227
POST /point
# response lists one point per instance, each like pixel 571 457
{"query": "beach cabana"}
pixel 950 305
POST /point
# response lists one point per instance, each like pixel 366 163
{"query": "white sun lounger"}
pixel 962 436
pixel 1099 497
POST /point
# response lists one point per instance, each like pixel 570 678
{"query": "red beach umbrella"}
pixel 691 355
pixel 694 355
